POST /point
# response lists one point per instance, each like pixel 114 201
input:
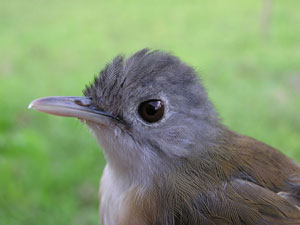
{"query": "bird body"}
pixel 170 161
pixel 242 186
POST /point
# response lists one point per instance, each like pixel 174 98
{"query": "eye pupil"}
pixel 152 110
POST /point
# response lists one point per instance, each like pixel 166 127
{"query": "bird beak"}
pixel 78 107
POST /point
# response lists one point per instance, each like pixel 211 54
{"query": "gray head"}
pixel 147 110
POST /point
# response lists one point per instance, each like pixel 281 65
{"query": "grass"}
pixel 50 166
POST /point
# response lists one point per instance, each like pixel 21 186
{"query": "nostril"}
pixel 83 102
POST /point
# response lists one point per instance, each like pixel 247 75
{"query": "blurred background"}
pixel 247 52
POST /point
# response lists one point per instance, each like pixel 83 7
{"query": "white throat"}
pixel 126 158
pixel 129 169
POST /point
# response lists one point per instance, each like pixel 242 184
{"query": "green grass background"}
pixel 50 166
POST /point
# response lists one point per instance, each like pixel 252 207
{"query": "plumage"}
pixel 184 168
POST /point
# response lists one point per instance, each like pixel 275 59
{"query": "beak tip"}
pixel 31 105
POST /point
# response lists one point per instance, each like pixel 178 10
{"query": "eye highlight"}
pixel 152 110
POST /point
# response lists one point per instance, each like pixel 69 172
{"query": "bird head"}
pixel 148 112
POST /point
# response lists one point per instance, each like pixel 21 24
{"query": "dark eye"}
pixel 152 110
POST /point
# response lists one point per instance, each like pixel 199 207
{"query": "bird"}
pixel 170 160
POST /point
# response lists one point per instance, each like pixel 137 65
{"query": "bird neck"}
pixel 125 158
pixel 140 163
